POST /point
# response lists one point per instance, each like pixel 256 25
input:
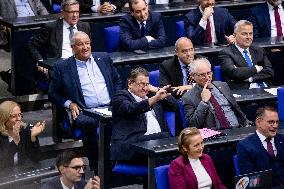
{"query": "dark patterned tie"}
pixel 278 21
pixel 208 34
pixel 224 123
pixel 270 148
pixel 71 29
pixel 188 75
pixel 143 32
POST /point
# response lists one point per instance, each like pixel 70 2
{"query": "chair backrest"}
pixel 218 73
pixel 112 38
pixel 280 95
pixel 130 169
pixel 236 165
pixel 56 8
pixel 180 32
pixel 182 114
pixel 170 118
pixel 161 176
pixel 154 78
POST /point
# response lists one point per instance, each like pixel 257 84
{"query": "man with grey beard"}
pixel 268 19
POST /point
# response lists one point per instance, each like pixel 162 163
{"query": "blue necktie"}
pixel 143 31
pixel 250 64
pixel 247 58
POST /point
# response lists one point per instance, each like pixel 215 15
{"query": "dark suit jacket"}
pixel 235 69
pixel 223 21
pixel 65 82
pixel 86 5
pixel 130 33
pixel 181 174
pixel 27 150
pixel 56 184
pixel 50 39
pixel 260 18
pixel 171 74
pixel 203 116
pixel 253 157
pixel 8 8
pixel 130 124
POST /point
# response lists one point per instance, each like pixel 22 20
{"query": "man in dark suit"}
pixel 265 148
pixel 137 117
pixel 102 6
pixel 211 104
pixel 71 168
pixel 175 71
pixel 263 25
pixel 141 28
pixel 245 66
pixel 85 80
pixel 209 24
pixel 55 37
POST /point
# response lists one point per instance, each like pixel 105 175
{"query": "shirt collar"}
pixel 81 63
pixel 66 25
pixel 137 98
pixel 182 65
pixel 262 137
pixel 64 186
pixel 241 49
pixel 140 23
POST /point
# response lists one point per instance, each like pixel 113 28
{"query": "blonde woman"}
pixel 18 140
pixel 193 169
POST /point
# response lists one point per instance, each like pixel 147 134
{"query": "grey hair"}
pixel 66 3
pixel 197 62
pixel 180 40
pixel 76 34
pixel 241 23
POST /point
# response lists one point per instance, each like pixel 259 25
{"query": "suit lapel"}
pixel 237 55
pixel 224 92
pixel 12 2
pixel 267 18
pixel 136 28
pixel 217 25
pixel 33 7
pixel 178 72
pixel 75 76
pixel 191 173
pixel 253 55
pixel 279 146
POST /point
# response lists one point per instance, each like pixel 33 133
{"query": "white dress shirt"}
pixel 66 44
pixel 203 24
pixel 272 19
pixel 203 179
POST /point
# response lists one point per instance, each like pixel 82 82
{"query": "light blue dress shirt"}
pixel 23 8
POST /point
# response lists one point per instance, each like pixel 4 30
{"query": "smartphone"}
pixel 169 89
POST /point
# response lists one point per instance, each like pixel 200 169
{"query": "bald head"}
pixel 184 50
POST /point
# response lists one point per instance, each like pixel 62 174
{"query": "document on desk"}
pixel 104 111
pixel 272 91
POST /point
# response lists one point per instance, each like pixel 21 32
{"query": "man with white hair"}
pixel 210 103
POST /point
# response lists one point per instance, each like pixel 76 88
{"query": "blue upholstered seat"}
pixel 112 38
pixel 161 176
pixel 180 32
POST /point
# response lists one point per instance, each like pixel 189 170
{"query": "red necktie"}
pixel 208 37
pixel 270 148
pixel 278 21
pixel 224 123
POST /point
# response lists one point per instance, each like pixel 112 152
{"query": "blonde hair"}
pixel 6 109
pixel 184 138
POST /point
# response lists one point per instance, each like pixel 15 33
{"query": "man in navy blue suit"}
pixel 264 19
pixel 265 148
pixel 141 28
pixel 137 117
pixel 209 24
pixel 85 80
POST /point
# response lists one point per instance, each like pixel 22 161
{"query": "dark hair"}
pixel 66 3
pixel 65 158
pixel 134 73
pixel 184 138
pixel 261 111
pixel 131 2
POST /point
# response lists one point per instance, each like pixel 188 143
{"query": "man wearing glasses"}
pixel 54 40
pixel 210 104
pixel 137 117
pixel 71 169
pixel 264 149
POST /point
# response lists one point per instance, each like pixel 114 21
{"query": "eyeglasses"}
pixel 16 115
pixel 72 12
pixel 78 167
pixel 204 75
pixel 142 85
pixel 272 122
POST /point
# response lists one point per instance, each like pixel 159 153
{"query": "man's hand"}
pixel 93 183
pixel 230 39
pixel 160 95
pixel 106 7
pixel 208 11
pixel 206 93
pixel 180 89
pixel 75 110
